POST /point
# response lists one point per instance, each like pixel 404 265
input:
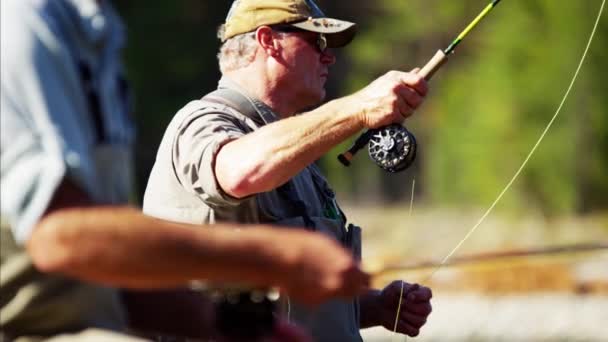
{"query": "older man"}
pixel 242 154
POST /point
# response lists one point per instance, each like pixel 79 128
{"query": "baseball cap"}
pixel 247 15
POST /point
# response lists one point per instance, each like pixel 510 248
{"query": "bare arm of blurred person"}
pixel 119 246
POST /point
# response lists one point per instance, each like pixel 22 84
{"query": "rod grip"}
pixel 433 65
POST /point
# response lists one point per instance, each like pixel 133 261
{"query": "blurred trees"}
pixel 487 106
pixel 170 60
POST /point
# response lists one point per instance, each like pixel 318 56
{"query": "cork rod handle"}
pixel 433 65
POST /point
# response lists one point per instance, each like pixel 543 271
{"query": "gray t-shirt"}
pixel 183 188
pixel 64 111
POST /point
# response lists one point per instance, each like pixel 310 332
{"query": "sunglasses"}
pixel 320 42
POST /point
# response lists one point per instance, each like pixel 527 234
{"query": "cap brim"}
pixel 338 32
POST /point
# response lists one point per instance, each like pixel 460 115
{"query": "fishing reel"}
pixel 392 148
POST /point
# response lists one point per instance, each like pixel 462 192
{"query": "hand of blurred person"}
pixel 391 98
pixel 320 269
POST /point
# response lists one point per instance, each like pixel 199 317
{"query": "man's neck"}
pixel 262 88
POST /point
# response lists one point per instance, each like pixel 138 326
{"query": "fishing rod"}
pixel 540 253
pixel 393 147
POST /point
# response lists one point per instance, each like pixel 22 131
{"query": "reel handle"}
pixel 361 141
pixel 427 71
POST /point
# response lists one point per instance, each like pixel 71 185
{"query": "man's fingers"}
pixel 405 328
pixel 416 82
pixel 410 96
pixel 414 320
pixel 405 109
pixel 393 290
pixel 423 309
pixel 421 294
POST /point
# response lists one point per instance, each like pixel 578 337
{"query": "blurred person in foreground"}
pixel 70 239
pixel 245 152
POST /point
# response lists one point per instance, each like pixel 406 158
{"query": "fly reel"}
pixel 392 148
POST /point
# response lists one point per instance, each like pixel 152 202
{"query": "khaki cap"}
pixel 247 15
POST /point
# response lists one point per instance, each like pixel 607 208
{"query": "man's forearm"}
pixel 119 246
pixel 283 148
pixel 370 311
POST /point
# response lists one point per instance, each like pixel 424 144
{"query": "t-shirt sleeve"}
pixel 39 102
pixel 195 149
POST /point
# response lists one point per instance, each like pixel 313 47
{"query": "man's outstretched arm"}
pixel 119 246
pixel 285 147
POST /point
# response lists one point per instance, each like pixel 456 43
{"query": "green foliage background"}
pixel 487 105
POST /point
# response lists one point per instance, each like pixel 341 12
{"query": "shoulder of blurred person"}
pixel 65 105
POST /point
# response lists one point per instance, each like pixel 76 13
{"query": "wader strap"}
pixel 240 103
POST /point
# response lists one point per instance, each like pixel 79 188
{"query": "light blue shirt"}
pixel 64 106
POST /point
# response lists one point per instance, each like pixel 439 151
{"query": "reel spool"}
pixel 392 148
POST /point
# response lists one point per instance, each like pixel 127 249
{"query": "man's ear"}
pixel 266 39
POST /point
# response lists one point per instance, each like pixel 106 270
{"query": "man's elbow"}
pixel 241 177
pixel 240 184
pixel 236 182
pixel 237 186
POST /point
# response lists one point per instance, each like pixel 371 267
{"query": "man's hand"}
pixel 321 269
pixel 415 307
pixel 380 307
pixel 391 98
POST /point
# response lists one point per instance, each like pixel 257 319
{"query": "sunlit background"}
pixel 537 268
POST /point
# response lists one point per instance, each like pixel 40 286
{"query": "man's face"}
pixel 306 67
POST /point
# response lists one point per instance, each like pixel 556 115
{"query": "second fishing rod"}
pixel 393 147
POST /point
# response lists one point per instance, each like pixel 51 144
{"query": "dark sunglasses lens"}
pixel 321 39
